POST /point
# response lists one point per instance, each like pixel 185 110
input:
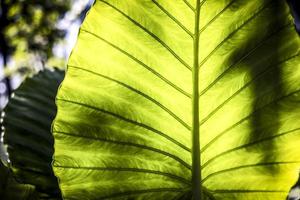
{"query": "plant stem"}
pixel 196 160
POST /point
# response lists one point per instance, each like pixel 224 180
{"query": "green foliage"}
pixel 10 189
pixel 128 117
pixel 124 124
pixel 26 123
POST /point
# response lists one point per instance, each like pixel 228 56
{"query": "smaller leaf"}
pixel 27 131
pixel 11 189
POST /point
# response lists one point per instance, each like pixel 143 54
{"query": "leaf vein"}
pixel 248 191
pixel 139 170
pixel 216 16
pixel 176 158
pixel 178 119
pixel 246 166
pixel 243 57
pixel 245 118
pixel 128 193
pixel 233 32
pixel 173 18
pixel 248 145
pixel 189 5
pixel 141 64
pixel 128 121
pixel 244 87
pixel 155 37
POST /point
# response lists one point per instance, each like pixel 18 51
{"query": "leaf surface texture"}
pixel 123 128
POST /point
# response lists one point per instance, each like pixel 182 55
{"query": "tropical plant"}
pixel 173 99
pixel 26 125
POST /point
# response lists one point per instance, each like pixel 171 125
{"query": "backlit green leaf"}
pixel 127 109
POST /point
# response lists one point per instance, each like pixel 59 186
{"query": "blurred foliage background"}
pixel 35 34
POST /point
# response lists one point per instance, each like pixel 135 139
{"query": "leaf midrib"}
pixel 196 160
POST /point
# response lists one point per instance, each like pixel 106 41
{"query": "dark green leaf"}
pixel 27 123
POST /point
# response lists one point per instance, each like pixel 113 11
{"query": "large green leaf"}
pixel 128 115
pixel 27 123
